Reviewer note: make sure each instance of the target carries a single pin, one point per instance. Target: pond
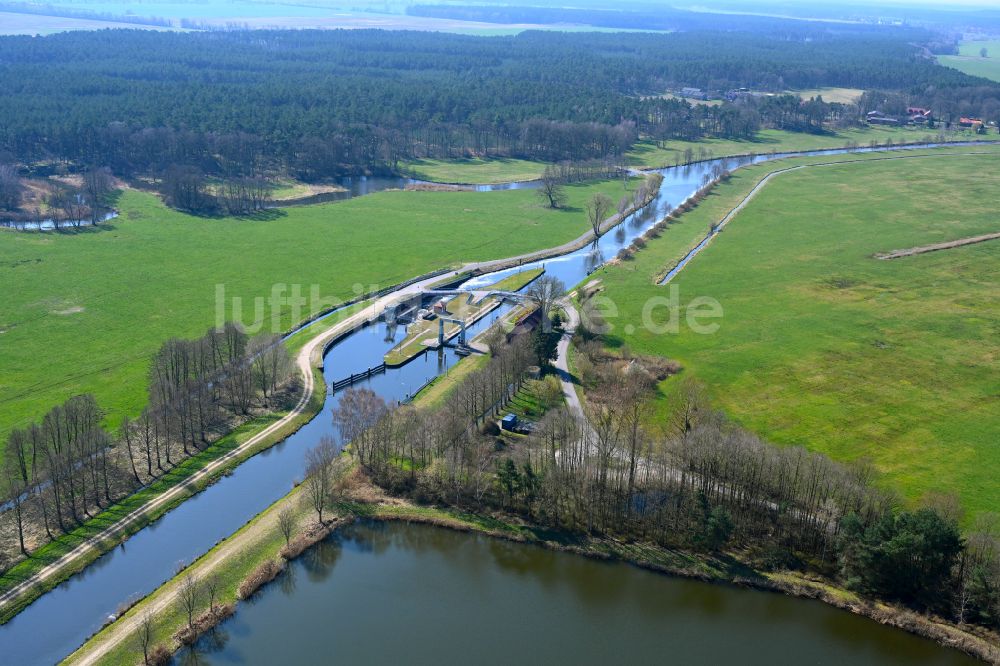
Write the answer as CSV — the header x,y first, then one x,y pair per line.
x,y
378,593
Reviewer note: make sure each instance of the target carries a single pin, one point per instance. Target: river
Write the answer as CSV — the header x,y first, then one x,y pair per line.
x,y
397,593
68,614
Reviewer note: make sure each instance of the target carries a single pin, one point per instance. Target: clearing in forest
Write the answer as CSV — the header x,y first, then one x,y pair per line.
x,y
971,60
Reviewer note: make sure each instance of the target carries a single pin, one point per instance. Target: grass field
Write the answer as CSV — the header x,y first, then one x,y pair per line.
x,y
969,61
474,170
13,23
85,311
830,95
648,155
823,346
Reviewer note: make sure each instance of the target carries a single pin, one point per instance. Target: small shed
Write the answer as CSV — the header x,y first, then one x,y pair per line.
x,y
440,306
508,422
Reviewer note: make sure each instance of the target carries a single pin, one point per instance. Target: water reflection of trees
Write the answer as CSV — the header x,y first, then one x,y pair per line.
x,y
594,258
319,561
288,580
210,642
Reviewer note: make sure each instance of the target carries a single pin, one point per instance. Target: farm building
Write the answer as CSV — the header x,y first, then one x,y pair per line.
x,y
975,124
879,118
694,93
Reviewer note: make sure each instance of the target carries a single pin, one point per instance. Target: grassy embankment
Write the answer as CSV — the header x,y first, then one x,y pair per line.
x,y
69,327
969,61
422,334
648,155
823,346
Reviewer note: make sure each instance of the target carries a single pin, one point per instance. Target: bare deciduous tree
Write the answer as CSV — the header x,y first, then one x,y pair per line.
x,y
545,291
144,635
212,585
286,523
551,190
97,185
270,363
189,593
354,416
15,488
319,474
10,188
598,208
623,205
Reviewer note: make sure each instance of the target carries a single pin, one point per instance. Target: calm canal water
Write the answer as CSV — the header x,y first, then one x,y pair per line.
x,y
77,608
397,593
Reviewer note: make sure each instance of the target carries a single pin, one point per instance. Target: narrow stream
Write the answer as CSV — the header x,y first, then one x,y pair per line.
x,y
67,615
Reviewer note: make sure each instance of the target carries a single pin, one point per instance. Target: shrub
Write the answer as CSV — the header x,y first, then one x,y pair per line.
x,y
159,656
304,540
259,577
205,622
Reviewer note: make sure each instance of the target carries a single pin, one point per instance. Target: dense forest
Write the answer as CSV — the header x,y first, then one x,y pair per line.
x,y
318,104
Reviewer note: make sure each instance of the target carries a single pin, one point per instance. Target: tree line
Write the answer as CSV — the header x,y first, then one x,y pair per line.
x,y
66,468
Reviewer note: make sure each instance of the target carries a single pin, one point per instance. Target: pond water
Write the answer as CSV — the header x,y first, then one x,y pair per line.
x,y
397,593
75,609
52,225
358,186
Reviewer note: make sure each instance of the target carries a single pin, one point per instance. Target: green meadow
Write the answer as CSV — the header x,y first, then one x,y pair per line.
x,y
476,171
823,346
84,311
971,62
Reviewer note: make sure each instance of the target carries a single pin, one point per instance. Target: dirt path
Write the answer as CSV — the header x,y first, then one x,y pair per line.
x,y
562,362
947,245
128,626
